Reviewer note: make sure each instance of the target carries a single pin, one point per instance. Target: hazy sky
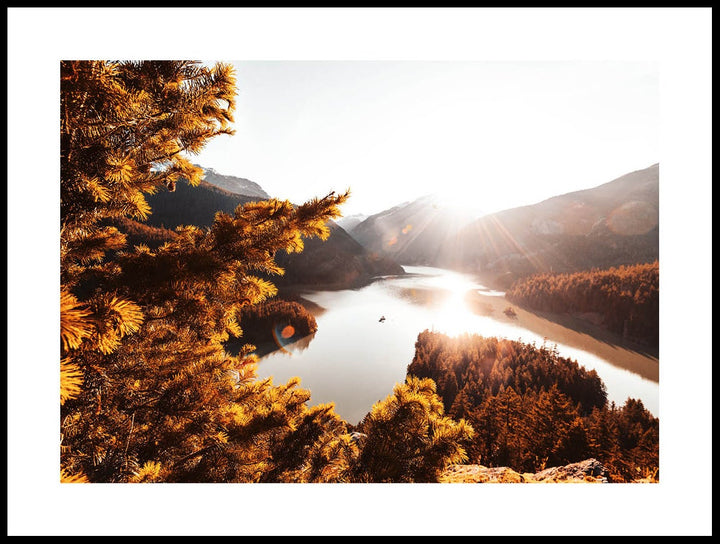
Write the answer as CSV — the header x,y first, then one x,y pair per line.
x,y
491,134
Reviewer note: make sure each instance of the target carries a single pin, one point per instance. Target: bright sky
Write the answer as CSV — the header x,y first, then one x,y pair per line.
x,y
491,134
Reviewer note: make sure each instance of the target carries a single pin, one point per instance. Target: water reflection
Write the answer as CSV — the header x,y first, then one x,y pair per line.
x,y
356,357
278,346
293,344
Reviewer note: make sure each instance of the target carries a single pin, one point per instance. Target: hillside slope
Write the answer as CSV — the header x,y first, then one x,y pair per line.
x,y
614,224
419,232
338,262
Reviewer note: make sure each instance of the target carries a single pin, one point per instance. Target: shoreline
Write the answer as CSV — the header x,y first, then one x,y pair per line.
x,y
574,332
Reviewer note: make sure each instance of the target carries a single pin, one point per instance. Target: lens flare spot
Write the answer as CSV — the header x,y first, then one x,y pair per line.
x,y
283,336
407,228
288,339
392,241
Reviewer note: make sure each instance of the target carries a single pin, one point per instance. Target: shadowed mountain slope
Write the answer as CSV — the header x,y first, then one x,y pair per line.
x,y
338,262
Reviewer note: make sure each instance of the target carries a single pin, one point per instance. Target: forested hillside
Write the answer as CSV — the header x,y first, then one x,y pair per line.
x,y
531,409
610,225
626,298
337,262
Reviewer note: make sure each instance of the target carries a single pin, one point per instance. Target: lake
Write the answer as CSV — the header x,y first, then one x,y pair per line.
x,y
366,339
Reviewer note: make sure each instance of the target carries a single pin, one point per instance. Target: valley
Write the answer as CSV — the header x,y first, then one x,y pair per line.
x,y
372,355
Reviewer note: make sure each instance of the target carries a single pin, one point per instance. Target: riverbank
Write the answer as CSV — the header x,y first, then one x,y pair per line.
x,y
572,331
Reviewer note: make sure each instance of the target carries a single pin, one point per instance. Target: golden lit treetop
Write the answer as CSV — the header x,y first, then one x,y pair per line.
x,y
128,127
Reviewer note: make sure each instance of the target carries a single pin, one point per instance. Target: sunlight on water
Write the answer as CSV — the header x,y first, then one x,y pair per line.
x,y
453,316
366,339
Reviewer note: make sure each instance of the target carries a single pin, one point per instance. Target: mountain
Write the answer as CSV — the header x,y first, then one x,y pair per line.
x,y
338,262
240,186
415,232
189,205
614,224
349,222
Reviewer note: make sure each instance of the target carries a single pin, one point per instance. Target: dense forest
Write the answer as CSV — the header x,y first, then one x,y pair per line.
x,y
626,297
531,409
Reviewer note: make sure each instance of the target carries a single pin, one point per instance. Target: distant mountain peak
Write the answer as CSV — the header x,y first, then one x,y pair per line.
x,y
608,225
348,222
234,184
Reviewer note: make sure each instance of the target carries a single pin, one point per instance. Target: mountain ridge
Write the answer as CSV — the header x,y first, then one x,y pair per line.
x,y
338,262
612,224
234,184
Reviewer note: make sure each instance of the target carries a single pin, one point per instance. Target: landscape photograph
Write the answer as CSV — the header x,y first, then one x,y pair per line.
x,y
323,283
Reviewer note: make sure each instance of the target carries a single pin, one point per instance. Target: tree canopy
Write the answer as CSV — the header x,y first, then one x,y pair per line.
x,y
148,393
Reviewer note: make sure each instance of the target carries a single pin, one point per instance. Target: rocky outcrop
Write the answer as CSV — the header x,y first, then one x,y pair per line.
x,y
587,471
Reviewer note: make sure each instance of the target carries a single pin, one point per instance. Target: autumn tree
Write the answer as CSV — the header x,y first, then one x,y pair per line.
x,y
408,438
625,297
147,392
531,409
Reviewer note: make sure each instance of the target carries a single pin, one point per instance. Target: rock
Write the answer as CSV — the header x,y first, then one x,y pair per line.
x,y
587,471
590,470
479,474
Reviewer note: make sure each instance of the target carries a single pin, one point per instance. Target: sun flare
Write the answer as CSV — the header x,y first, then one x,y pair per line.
x,y
453,314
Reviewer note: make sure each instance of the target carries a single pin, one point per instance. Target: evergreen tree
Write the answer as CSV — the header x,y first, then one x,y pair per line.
x,y
530,408
148,394
408,437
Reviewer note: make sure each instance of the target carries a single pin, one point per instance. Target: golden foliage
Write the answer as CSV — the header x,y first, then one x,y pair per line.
x,y
75,325
408,437
99,192
71,380
258,290
114,318
154,395
128,315
138,205
150,472
67,478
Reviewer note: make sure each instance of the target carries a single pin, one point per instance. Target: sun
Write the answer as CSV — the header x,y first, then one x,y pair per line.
x,y
454,315
463,205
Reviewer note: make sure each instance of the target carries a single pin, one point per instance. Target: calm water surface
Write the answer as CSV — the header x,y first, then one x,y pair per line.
x,y
355,358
